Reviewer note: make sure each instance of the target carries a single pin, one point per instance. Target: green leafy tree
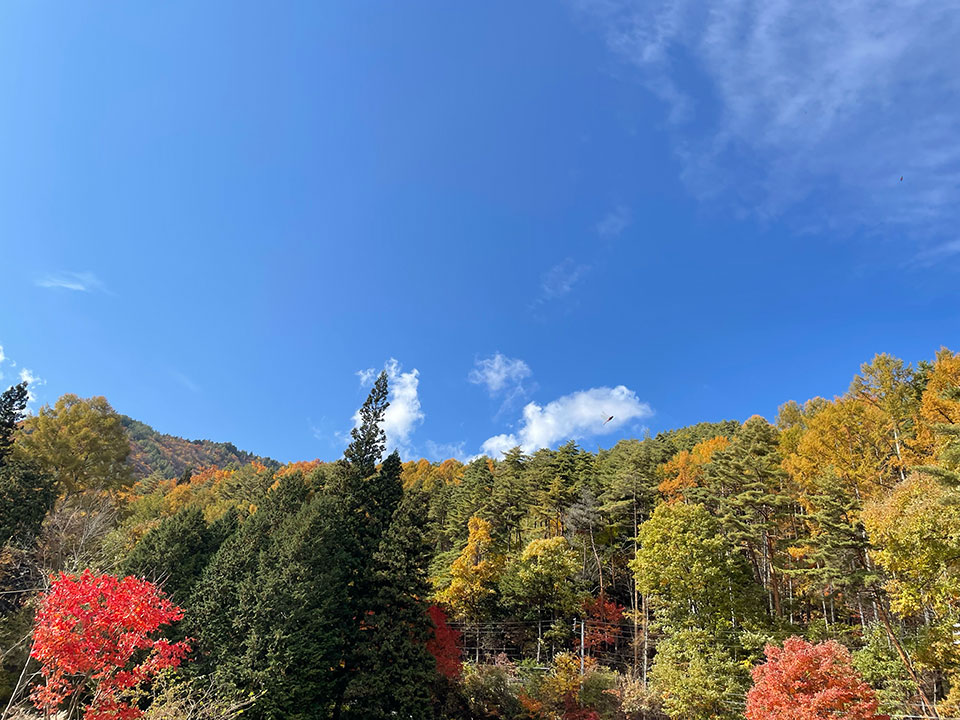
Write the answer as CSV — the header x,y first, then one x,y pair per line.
x,y
691,571
697,678
543,581
915,531
368,437
26,495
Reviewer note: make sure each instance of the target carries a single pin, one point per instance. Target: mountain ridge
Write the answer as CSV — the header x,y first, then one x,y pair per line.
x,y
152,452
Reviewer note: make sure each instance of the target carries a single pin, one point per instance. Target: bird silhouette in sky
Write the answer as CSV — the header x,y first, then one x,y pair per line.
x,y
901,178
608,420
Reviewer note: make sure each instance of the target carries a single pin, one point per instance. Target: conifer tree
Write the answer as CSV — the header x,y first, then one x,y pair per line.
x,y
745,487
369,440
509,497
396,671
13,403
470,498
176,552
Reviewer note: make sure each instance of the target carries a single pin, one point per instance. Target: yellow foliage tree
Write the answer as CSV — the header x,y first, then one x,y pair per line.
x,y
685,469
850,438
472,592
81,443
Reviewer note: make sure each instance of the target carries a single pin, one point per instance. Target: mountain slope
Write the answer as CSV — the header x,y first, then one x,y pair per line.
x,y
152,451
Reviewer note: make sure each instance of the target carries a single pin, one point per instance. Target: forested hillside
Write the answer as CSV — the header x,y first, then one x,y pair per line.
x,y
170,456
802,566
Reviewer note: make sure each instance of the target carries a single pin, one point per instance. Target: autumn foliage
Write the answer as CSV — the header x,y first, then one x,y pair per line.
x,y
602,624
444,645
803,681
93,641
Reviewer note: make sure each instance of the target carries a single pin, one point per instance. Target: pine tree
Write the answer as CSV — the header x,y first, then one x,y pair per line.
x,y
744,486
13,403
369,439
26,495
510,497
947,469
470,498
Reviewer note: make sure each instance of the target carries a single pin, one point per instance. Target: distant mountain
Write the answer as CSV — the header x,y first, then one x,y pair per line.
x,y
152,451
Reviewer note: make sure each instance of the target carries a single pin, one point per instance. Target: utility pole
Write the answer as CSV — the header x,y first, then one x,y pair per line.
x,y
582,634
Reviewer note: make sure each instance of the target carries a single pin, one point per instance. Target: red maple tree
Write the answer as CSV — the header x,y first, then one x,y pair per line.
x,y
444,645
602,623
93,641
803,681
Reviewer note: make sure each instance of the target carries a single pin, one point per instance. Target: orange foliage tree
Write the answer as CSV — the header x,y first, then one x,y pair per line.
x,y
803,681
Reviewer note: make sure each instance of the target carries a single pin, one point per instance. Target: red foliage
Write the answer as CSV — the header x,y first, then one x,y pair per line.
x,y
602,622
803,681
87,632
445,644
573,711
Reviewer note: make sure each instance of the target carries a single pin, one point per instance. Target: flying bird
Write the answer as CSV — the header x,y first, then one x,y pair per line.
x,y
607,420
901,178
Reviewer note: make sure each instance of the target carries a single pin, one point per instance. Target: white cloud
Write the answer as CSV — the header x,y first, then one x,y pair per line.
x,y
403,415
32,382
771,104
560,279
581,414
79,282
499,444
500,373
615,222
2,356
366,376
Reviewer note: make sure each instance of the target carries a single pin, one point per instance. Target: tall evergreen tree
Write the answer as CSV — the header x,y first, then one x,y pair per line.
x,y
471,498
13,403
744,485
509,498
176,552
396,671
369,439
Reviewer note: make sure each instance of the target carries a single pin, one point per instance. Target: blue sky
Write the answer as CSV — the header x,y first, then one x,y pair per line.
x,y
223,215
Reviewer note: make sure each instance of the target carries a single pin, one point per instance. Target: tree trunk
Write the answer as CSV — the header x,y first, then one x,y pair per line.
x,y
885,619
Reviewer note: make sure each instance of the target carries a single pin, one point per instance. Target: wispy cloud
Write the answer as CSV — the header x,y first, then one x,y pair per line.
x,y
560,280
504,378
809,109
585,413
76,281
367,376
188,383
438,452
499,373
404,414
615,222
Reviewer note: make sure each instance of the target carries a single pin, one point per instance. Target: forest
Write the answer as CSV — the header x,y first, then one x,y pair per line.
x,y
804,567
